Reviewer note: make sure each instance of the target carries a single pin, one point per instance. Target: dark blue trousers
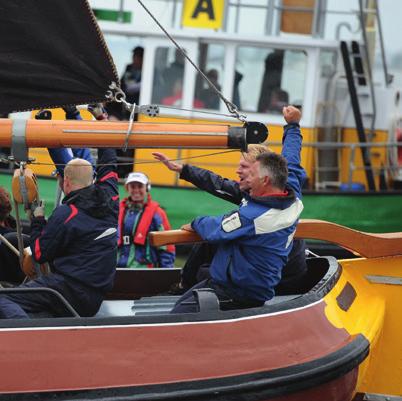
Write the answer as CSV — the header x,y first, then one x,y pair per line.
x,y
85,300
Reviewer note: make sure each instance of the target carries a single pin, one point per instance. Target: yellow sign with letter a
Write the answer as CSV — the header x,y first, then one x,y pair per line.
x,y
203,13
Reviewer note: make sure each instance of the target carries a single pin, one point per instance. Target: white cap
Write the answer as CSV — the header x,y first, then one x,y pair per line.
x,y
137,177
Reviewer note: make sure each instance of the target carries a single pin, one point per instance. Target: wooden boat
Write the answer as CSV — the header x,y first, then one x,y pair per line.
x,y
332,341
335,340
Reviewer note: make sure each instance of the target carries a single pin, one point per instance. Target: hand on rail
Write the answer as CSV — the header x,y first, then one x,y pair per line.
x,y
173,166
187,227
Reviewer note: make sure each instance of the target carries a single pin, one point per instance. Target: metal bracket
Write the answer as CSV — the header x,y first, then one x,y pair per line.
x,y
384,279
19,148
150,110
381,397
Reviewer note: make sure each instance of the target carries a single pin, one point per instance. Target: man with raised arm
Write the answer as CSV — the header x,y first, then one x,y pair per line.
x,y
254,241
294,271
79,240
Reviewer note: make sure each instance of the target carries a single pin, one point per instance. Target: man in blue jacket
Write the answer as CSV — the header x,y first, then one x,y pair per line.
x,y
197,264
254,241
79,240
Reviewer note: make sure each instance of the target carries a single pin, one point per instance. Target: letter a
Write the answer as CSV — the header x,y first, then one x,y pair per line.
x,y
204,6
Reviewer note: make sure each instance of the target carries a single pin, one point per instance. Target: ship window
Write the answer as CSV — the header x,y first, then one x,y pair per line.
x,y
168,77
328,62
267,79
121,48
211,61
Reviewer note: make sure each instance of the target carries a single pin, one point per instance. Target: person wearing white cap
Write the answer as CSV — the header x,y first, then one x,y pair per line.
x,y
138,215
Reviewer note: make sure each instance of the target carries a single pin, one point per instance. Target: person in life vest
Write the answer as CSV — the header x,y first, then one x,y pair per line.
x,y
138,215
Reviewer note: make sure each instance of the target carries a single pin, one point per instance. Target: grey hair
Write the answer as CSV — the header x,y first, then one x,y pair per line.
x,y
275,167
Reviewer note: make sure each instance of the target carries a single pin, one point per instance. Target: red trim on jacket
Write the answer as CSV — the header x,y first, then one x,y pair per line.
x,y
74,212
112,174
38,252
141,232
285,193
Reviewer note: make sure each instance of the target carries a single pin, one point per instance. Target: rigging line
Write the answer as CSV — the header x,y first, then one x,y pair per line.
x,y
143,162
232,108
198,111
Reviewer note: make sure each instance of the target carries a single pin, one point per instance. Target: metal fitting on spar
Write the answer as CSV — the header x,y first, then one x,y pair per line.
x,y
250,133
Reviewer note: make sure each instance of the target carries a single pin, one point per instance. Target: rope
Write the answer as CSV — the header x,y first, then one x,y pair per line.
x,y
19,234
214,113
130,126
143,162
232,108
10,245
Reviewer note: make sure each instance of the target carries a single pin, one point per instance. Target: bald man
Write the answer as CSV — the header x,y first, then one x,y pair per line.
x,y
79,241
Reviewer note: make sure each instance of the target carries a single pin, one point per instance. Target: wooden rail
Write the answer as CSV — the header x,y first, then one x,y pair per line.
x,y
368,245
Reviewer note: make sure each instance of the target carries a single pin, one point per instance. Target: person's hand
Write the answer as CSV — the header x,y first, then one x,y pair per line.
x,y
98,111
28,265
39,209
187,227
71,112
173,166
291,114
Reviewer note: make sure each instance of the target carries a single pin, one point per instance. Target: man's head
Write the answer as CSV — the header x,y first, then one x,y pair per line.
x,y
268,174
137,186
213,75
138,56
245,162
5,205
78,174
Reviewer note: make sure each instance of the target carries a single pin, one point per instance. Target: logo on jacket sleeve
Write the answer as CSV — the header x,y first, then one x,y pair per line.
x,y
231,223
106,233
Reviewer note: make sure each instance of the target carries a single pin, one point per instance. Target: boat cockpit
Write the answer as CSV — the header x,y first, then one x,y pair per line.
x,y
141,295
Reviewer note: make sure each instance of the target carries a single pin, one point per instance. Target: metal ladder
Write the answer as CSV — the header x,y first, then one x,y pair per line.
x,y
351,75
361,86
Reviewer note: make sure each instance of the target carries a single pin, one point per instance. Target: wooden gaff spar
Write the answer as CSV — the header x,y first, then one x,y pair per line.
x,y
52,133
368,245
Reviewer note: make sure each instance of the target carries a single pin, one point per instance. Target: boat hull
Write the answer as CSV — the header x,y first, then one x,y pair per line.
x,y
278,352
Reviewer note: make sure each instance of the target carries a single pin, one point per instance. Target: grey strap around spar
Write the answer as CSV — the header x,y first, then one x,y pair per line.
x,y
19,148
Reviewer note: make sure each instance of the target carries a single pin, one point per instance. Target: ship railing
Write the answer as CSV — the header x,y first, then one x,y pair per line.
x,y
385,167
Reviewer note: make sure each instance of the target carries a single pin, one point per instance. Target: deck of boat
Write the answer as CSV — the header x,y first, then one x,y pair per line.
x,y
157,305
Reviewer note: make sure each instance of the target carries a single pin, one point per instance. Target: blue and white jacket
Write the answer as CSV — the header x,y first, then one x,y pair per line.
x,y
255,240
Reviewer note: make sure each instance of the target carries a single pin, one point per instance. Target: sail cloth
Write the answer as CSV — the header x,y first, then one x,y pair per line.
x,y
52,54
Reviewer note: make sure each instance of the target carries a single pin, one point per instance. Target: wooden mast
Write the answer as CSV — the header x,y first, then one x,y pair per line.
x,y
73,133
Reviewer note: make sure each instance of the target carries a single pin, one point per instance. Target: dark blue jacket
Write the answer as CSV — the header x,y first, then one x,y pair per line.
x,y
255,240
80,238
229,190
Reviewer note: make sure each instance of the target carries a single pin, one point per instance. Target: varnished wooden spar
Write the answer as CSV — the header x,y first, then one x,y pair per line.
x,y
72,133
367,245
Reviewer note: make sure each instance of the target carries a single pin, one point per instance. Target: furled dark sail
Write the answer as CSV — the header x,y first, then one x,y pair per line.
x,y
52,53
